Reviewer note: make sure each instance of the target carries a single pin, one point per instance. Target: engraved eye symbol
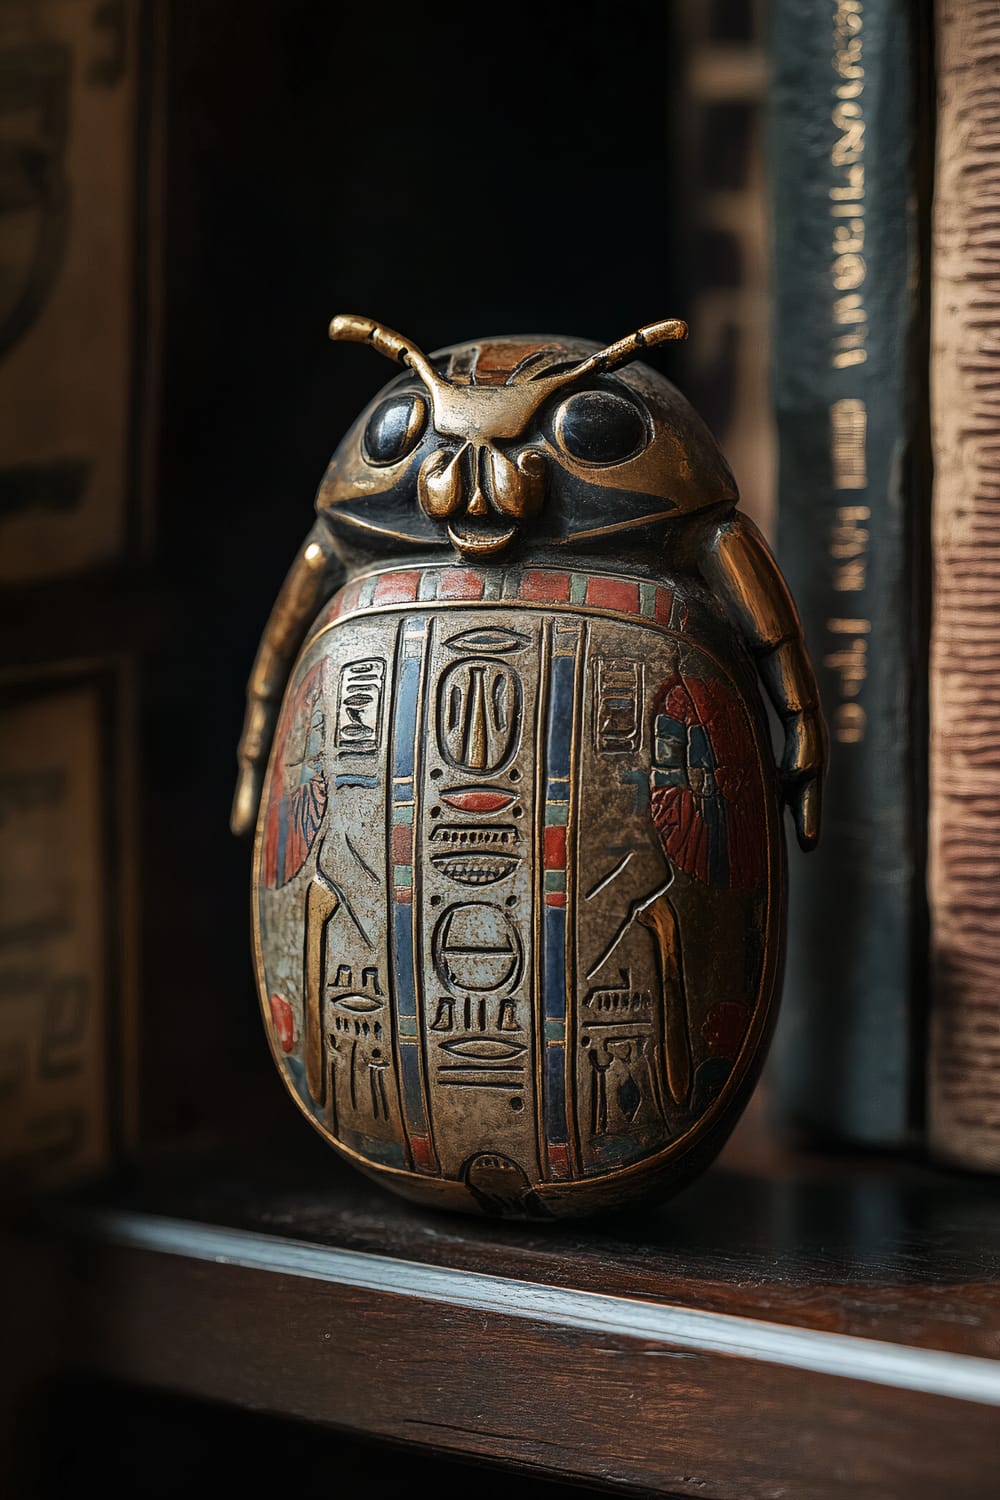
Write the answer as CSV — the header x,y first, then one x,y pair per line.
x,y
395,428
600,427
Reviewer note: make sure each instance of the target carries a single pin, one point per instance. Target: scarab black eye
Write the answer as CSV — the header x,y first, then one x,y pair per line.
x,y
599,427
394,428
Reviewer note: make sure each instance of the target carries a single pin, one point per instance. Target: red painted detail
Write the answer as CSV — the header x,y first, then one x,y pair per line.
x,y
402,844
555,848
329,612
404,895
546,588
460,583
664,606
297,791
486,801
613,593
396,588
284,1022
496,362
346,600
558,1160
724,1028
555,898
423,1155
684,816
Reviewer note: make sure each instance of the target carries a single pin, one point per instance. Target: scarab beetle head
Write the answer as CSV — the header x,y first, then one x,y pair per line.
x,y
485,443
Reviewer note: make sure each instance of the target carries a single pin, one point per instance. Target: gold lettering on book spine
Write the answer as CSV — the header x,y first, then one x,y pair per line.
x,y
847,196
847,653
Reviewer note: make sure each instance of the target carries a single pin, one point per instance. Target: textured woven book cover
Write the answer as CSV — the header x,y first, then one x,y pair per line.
x,y
964,1095
845,247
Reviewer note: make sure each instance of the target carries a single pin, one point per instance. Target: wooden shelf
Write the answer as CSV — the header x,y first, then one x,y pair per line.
x,y
800,1326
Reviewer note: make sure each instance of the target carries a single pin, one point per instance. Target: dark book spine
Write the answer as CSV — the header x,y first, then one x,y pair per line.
x,y
845,247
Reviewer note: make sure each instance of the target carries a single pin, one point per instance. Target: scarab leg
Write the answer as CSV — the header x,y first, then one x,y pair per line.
x,y
314,576
742,569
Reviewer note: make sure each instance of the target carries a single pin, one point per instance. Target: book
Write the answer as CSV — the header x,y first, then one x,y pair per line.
x,y
843,106
964,1061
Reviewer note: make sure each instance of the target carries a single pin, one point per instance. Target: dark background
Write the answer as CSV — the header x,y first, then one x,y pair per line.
x,y
452,171
449,170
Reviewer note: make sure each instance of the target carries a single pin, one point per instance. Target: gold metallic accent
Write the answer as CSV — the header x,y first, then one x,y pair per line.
x,y
447,485
613,527
357,330
681,464
742,565
518,489
321,903
632,346
661,919
475,755
741,568
486,411
789,678
482,415
312,578
481,544
439,485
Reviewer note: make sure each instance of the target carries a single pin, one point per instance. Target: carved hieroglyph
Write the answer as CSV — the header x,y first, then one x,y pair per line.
x,y
516,869
519,877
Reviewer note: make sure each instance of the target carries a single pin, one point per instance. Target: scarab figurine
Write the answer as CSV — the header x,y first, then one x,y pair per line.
x,y
519,872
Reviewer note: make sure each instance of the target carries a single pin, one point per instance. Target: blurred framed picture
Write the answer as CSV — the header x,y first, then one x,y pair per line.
x,y
79,103
67,922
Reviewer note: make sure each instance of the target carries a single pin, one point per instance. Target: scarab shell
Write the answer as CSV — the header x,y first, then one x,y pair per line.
x,y
518,883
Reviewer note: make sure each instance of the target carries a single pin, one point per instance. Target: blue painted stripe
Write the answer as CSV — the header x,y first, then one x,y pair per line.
x,y
561,713
357,781
402,924
555,1095
401,914
560,722
555,962
413,1098
390,1153
406,719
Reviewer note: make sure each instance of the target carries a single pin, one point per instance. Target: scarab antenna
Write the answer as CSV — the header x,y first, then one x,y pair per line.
x,y
351,328
481,413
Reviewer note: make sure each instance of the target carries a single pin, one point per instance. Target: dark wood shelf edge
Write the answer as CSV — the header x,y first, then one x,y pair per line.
x,y
650,1321
639,1393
